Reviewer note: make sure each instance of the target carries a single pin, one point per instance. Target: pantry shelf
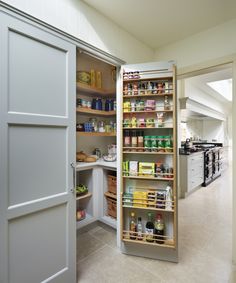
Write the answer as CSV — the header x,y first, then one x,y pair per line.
x,y
147,208
88,195
148,95
95,134
146,128
147,243
148,178
151,153
148,111
95,112
94,91
159,79
110,195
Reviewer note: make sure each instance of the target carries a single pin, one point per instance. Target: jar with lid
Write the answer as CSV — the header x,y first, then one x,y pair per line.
x,y
127,139
168,144
167,103
153,143
129,89
140,140
161,144
134,140
101,126
94,124
147,146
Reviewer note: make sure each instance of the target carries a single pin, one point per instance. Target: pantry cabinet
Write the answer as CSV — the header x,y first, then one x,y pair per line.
x,y
147,171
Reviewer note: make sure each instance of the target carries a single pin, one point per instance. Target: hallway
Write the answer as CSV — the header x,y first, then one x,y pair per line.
x,y
205,242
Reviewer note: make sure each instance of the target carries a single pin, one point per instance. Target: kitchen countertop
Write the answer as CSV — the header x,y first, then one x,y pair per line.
x,y
99,162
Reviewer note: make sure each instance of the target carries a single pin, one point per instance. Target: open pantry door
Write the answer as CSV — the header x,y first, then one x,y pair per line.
x,y
37,129
147,165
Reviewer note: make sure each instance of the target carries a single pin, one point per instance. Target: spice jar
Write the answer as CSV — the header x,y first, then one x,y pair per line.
x,y
140,140
147,146
134,140
161,144
153,143
168,144
127,139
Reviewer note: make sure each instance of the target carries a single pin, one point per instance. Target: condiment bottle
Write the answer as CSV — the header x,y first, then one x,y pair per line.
x,y
132,226
140,229
168,198
166,103
149,229
159,229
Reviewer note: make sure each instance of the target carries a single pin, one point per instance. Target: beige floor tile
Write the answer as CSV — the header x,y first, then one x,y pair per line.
x,y
87,244
105,235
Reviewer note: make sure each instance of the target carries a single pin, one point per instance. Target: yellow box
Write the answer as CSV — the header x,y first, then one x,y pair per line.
x,y
139,199
146,169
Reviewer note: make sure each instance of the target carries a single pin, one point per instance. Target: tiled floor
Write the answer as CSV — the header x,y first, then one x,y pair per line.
x,y
204,245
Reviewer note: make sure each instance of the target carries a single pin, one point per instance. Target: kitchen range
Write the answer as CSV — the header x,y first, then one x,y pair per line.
x,y
200,163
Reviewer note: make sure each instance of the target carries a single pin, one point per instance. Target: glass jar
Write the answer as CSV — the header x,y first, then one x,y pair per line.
x,y
153,143
161,144
147,145
168,144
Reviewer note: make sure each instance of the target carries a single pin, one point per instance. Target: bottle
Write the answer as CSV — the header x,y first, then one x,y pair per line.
x,y
159,229
166,103
140,139
132,226
149,230
139,229
168,198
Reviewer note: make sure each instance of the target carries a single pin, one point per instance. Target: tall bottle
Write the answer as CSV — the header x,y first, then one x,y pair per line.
x,y
159,229
166,103
132,226
149,230
139,229
168,198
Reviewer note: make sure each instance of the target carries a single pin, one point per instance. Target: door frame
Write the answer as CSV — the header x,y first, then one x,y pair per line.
x,y
209,66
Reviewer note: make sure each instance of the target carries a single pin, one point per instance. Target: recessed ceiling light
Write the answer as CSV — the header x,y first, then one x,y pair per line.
x,y
223,87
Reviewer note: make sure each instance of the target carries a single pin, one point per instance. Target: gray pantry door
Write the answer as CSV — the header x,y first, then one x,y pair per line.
x,y
37,147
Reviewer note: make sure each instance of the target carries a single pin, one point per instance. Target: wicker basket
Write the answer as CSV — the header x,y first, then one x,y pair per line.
x,y
111,207
112,184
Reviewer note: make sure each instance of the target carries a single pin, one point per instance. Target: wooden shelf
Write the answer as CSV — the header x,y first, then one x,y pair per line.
x,y
154,78
146,128
146,152
148,178
147,208
94,91
143,148
110,195
90,111
95,134
148,95
148,243
147,111
88,195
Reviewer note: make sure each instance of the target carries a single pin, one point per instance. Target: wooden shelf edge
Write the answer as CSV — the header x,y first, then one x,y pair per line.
x,y
146,243
87,88
95,112
84,196
148,178
146,128
144,152
148,208
96,134
107,194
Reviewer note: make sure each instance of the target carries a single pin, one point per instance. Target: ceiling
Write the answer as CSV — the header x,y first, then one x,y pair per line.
x,y
160,22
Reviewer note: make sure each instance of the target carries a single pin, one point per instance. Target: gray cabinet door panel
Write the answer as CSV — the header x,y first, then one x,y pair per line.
x,y
37,147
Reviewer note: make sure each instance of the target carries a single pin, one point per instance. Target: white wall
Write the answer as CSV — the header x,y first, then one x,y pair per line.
x,y
85,23
208,45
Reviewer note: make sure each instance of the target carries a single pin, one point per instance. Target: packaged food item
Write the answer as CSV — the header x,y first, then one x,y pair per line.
x,y
125,89
150,123
135,88
130,91
161,144
99,79
140,229
168,144
168,198
160,199
125,168
147,143
133,105
146,169
93,78
140,140
153,143
160,119
133,168
150,105
127,138
158,169
136,75
151,198
140,105
167,105
134,122
128,199
141,123
159,88
127,123
134,139
126,106
139,199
